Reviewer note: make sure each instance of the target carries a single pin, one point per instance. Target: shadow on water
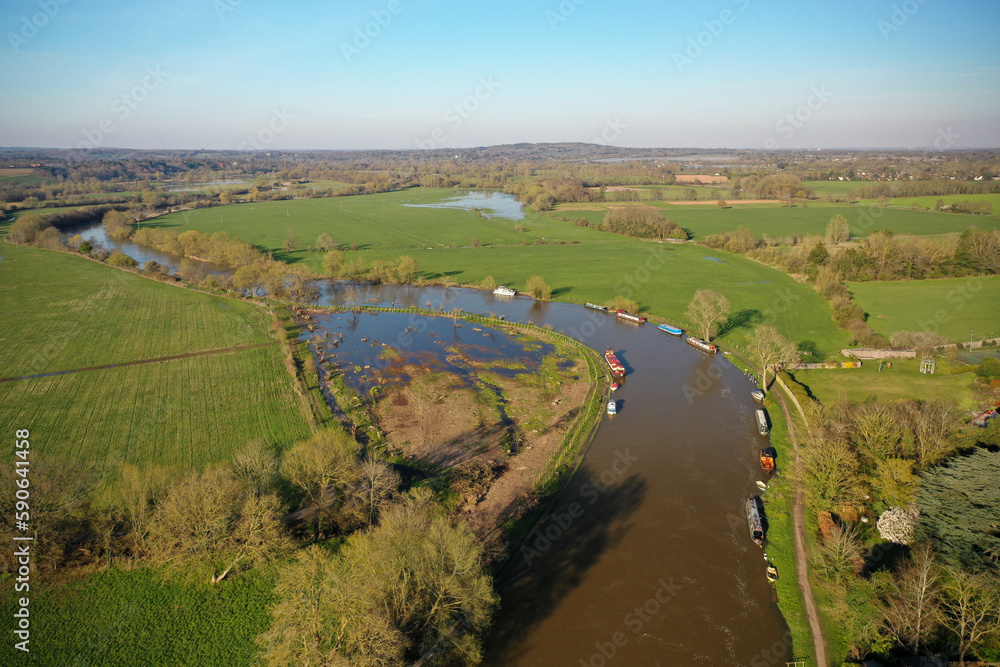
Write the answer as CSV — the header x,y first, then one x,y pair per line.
x,y
584,523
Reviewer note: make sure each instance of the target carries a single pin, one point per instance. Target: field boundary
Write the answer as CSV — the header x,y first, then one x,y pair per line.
x,y
174,357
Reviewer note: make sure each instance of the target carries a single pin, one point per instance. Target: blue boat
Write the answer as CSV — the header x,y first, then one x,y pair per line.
x,y
670,329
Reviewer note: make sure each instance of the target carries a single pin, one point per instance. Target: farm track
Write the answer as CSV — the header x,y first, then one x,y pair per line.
x,y
202,353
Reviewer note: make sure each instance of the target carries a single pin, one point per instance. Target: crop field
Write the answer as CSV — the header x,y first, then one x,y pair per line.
x,y
931,202
183,413
776,220
119,617
63,312
951,307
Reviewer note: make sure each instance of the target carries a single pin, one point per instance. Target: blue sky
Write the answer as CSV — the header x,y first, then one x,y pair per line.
x,y
300,75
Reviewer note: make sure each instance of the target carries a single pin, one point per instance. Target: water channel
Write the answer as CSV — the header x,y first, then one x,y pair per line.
x,y
646,559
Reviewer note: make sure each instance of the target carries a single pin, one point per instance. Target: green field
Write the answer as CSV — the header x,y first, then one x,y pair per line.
x,y
951,307
902,381
63,312
776,220
662,277
136,617
931,201
388,220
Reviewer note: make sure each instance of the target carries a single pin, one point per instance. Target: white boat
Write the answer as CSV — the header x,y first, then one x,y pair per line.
x,y
757,394
762,426
612,408
501,290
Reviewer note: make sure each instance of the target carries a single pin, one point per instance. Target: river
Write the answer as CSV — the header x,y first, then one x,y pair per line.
x,y
646,559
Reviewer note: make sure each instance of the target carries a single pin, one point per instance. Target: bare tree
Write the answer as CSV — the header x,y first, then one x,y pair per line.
x,y
769,348
912,612
706,309
970,608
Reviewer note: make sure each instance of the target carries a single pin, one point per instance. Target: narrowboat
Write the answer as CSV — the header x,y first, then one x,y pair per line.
x,y
596,306
754,522
670,329
612,359
629,317
762,427
701,345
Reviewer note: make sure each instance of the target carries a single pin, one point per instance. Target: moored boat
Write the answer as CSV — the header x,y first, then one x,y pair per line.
x,y
754,522
670,329
612,359
614,386
771,573
612,408
622,315
502,290
701,345
596,306
758,395
762,426
767,457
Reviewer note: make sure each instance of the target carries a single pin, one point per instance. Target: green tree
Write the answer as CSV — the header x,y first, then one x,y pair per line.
x,y
325,242
959,503
721,203
538,288
210,520
291,241
988,368
818,254
489,283
622,303
406,269
122,260
706,309
416,581
332,261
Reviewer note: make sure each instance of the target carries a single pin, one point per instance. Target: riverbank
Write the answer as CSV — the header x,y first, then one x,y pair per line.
x,y
493,436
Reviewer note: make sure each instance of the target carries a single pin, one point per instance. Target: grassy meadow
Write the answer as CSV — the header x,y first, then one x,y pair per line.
x,y
121,617
776,220
72,312
951,307
590,266
903,380
64,312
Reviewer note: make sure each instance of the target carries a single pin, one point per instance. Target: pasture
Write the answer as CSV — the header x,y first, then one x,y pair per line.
x,y
951,307
64,312
777,221
581,264
389,220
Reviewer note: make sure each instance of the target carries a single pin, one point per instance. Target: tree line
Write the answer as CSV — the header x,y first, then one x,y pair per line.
x,y
406,577
923,577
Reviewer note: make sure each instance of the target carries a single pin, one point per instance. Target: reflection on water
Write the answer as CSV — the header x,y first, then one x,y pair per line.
x,y
493,204
373,349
